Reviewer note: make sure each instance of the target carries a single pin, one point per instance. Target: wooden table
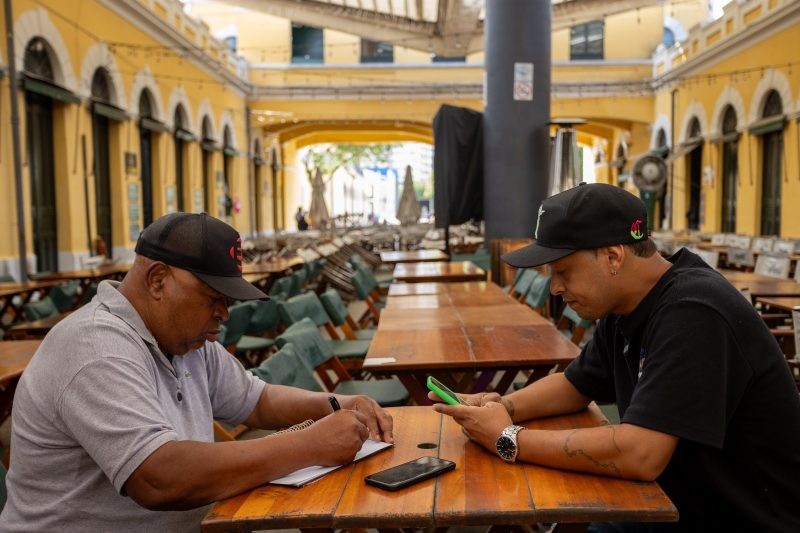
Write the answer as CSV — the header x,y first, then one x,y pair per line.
x,y
440,272
14,357
416,289
277,265
463,338
785,303
87,275
482,490
14,295
35,329
416,256
761,285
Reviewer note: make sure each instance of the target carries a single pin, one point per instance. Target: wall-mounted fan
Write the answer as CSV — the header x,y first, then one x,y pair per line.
x,y
650,174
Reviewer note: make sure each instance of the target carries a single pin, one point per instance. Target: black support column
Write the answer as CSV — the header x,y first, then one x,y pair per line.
x,y
516,133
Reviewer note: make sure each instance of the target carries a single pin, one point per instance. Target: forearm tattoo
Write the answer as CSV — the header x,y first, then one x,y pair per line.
x,y
610,466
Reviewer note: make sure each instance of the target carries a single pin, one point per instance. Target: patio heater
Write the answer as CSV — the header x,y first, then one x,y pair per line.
x,y
565,170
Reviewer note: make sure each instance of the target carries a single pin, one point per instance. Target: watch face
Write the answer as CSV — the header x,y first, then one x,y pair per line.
x,y
506,447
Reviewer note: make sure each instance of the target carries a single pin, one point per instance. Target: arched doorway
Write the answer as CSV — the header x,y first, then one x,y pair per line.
x,y
771,132
181,136
228,151
145,154
255,189
39,126
101,128
208,147
694,176
730,169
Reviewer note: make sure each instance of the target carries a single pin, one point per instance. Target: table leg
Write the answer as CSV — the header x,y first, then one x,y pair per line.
x,y
415,383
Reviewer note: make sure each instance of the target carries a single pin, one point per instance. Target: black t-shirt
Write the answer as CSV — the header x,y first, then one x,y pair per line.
x,y
696,361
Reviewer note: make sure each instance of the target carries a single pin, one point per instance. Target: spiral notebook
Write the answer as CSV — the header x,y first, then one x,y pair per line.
x,y
301,477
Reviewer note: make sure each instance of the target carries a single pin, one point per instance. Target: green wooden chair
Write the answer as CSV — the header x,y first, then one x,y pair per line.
x,y
40,309
572,326
286,367
317,354
538,297
248,349
367,291
522,285
308,305
64,296
341,318
265,318
280,288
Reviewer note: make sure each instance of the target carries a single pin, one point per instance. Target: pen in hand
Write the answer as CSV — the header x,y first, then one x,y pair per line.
x,y
334,403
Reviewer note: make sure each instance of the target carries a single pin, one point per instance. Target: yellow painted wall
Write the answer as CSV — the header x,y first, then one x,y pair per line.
x,y
703,89
79,25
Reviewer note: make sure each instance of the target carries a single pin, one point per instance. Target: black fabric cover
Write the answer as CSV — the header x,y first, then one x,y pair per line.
x,y
457,165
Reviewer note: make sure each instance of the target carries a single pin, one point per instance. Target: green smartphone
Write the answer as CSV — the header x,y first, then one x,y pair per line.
x,y
445,393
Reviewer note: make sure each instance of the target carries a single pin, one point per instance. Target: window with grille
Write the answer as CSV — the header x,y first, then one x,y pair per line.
x,y
586,40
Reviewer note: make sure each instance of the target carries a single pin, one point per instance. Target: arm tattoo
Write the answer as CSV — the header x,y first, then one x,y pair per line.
x,y
610,466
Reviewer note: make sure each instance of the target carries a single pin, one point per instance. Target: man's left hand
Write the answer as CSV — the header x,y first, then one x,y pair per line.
x,y
481,424
379,421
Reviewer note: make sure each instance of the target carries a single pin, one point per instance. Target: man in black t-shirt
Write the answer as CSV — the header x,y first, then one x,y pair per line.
x,y
707,404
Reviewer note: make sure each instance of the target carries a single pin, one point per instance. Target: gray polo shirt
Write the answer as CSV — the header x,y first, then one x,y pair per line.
x,y
96,400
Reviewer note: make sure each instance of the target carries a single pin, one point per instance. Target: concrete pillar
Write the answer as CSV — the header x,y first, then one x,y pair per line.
x,y
516,132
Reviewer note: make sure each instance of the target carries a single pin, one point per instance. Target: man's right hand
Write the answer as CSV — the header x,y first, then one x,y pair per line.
x,y
338,436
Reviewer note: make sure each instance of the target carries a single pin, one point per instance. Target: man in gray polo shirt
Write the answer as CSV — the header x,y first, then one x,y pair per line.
x,y
112,421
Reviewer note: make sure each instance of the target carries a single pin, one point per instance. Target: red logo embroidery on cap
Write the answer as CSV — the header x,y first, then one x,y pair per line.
x,y
236,253
636,231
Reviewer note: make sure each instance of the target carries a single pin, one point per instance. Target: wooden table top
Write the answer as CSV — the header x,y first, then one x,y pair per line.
x,y
273,266
454,299
35,328
14,357
12,289
415,289
481,490
438,271
491,336
100,272
415,256
761,285
787,303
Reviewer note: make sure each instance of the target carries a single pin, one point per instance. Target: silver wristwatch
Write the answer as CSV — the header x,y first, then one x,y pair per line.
x,y
507,443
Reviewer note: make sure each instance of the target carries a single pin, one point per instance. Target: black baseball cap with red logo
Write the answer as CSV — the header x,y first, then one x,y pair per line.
x,y
585,217
205,246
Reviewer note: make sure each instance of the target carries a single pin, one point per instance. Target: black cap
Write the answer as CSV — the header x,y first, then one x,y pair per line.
x,y
205,246
585,217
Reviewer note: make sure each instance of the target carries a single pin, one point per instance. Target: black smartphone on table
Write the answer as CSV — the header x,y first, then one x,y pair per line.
x,y
400,476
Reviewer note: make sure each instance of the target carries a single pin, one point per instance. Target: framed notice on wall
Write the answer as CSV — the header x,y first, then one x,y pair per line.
x,y
130,164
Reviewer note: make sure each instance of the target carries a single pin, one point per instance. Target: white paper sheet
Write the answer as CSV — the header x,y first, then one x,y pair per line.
x,y
298,478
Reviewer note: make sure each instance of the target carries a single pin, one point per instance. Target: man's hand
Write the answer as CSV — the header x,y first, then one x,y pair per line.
x,y
339,437
480,399
481,424
376,419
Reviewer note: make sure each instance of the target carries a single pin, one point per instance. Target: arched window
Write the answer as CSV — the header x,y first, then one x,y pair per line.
x,y
101,85
771,164
36,60
145,155
694,175
101,128
40,152
661,139
730,169
227,170
180,138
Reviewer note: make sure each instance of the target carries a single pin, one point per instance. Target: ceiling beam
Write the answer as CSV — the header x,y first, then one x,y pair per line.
x,y
457,32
